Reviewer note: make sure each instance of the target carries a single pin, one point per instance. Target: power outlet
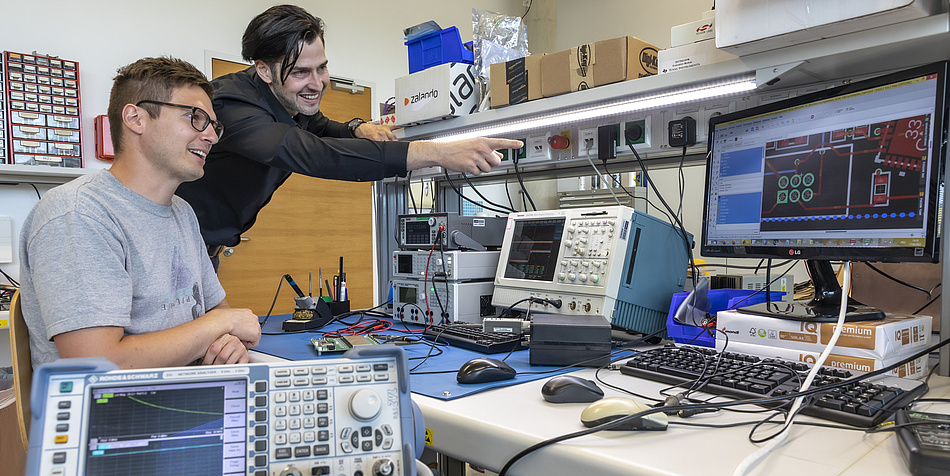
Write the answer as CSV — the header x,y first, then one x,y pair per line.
x,y
635,132
522,153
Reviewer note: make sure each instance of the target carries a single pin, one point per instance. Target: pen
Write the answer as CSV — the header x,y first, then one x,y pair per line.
x,y
320,280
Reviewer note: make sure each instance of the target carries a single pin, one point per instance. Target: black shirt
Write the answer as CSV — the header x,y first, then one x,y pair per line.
x,y
262,145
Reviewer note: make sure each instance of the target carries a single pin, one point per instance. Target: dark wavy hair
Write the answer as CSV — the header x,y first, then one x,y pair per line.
x,y
277,36
153,79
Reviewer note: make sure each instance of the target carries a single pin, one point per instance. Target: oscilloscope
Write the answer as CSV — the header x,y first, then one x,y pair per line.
x,y
610,261
349,415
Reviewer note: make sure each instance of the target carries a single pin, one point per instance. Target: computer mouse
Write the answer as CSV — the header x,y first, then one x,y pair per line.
x,y
484,369
612,408
571,389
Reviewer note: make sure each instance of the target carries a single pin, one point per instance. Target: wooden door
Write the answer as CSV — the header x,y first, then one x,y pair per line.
x,y
307,226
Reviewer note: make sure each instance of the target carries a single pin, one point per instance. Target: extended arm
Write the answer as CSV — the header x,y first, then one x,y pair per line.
x,y
180,345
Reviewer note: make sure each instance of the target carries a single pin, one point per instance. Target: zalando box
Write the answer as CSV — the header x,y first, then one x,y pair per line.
x,y
595,64
440,92
750,26
883,339
915,369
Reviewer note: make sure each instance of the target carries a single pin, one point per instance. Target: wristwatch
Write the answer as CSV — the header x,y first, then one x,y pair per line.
x,y
352,125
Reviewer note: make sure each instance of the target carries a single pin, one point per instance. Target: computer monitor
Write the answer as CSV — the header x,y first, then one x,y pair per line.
x,y
851,173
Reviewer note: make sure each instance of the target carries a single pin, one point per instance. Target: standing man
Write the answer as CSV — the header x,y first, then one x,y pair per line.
x,y
112,263
274,128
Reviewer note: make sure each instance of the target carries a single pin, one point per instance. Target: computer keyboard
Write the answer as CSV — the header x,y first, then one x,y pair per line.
x,y
742,376
474,338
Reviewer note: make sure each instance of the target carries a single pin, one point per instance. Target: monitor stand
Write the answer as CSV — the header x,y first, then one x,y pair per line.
x,y
824,307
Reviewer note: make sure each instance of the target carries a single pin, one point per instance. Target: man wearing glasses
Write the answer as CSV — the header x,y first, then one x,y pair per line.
x,y
274,128
112,263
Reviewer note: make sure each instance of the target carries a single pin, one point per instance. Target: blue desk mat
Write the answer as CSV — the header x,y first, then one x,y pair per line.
x,y
422,380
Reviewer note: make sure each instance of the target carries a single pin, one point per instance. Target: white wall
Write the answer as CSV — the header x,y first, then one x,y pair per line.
x,y
649,20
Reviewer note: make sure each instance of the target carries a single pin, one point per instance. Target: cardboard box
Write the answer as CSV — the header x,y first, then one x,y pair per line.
x,y
914,369
691,55
699,30
437,93
750,26
515,81
883,339
595,64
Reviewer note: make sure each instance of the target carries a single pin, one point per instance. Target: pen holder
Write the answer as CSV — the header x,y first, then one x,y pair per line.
x,y
339,307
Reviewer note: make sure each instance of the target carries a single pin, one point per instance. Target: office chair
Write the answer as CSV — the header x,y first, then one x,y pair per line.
x,y
22,367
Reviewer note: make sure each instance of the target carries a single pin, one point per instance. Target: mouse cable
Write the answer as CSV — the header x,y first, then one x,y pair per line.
x,y
754,401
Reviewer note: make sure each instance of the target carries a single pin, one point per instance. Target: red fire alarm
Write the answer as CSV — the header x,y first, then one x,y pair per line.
x,y
103,138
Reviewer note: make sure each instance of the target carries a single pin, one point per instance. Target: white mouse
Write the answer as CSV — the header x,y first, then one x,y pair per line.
x,y
612,408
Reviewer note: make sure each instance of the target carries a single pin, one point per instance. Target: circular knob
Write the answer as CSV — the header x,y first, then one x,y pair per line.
x,y
290,471
228,252
431,221
561,276
572,277
583,278
384,467
365,404
595,278
568,243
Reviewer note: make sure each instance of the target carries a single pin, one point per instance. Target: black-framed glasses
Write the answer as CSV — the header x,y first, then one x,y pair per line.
x,y
200,119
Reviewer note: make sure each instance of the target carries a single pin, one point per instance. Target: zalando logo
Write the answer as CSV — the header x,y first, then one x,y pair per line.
x,y
434,93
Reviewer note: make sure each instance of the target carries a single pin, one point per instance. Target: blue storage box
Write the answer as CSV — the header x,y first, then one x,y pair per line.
x,y
438,48
720,299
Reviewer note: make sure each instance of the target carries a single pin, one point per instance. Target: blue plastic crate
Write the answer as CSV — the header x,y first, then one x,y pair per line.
x,y
720,299
438,48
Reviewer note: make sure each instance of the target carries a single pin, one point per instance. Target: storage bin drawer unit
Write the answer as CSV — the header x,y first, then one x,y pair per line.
x,y
43,116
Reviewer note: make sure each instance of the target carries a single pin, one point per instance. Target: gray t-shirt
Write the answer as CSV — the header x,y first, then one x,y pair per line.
x,y
94,253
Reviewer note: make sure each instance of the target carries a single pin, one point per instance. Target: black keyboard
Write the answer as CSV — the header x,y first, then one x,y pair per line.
x,y
474,338
742,376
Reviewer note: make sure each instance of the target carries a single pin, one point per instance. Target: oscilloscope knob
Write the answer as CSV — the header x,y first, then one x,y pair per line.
x,y
384,467
290,471
365,404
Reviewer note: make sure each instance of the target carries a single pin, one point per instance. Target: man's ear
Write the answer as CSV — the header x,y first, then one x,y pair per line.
x,y
133,118
264,71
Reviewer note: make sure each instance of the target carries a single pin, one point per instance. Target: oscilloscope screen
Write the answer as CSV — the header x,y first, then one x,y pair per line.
x,y
189,428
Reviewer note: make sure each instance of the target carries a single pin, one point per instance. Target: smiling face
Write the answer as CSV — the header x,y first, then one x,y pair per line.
x,y
302,90
175,149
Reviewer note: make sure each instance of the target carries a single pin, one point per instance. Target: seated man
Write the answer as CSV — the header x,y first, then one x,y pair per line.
x,y
112,263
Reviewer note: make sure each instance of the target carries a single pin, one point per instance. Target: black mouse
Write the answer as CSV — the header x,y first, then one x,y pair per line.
x,y
484,369
571,389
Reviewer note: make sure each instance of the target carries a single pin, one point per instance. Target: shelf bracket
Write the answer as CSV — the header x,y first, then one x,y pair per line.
x,y
768,76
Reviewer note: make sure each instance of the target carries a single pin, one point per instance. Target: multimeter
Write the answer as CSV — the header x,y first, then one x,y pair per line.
x,y
924,442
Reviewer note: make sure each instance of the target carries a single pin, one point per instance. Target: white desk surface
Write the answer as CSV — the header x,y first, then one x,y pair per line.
x,y
488,428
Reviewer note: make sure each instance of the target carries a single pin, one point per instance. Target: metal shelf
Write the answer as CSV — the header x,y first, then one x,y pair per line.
x,y
40,174
868,52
